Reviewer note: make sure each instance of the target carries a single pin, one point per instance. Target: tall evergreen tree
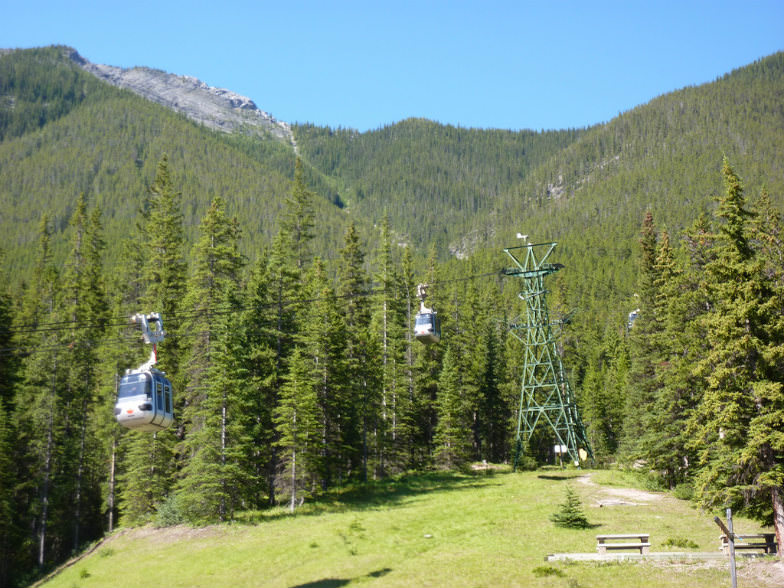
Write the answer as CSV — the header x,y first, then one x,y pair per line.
x,y
738,434
298,220
361,359
644,338
389,333
85,307
323,341
39,404
216,275
452,439
149,466
220,476
297,424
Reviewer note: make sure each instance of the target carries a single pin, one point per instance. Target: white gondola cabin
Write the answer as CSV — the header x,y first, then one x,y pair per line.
x,y
144,400
427,327
144,396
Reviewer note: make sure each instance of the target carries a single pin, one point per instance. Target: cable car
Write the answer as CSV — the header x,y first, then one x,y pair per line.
x,y
144,396
144,400
427,327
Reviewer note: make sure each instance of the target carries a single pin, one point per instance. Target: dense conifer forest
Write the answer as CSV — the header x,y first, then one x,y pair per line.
x,y
287,285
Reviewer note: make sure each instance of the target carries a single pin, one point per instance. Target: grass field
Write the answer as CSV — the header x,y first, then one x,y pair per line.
x,y
490,528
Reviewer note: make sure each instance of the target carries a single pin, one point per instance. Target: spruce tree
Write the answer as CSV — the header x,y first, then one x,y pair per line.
x,y
323,342
738,435
40,402
452,439
389,333
643,346
361,358
570,515
219,478
148,468
211,389
298,431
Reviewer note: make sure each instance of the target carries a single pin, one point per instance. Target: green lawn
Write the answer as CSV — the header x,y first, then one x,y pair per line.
x,y
487,529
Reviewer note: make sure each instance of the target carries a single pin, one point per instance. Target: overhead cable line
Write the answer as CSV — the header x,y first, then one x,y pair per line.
x,y
67,325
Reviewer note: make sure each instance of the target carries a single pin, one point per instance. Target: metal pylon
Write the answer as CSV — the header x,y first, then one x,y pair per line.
x,y
545,395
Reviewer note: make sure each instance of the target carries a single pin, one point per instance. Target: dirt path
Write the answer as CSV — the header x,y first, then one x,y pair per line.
x,y
618,496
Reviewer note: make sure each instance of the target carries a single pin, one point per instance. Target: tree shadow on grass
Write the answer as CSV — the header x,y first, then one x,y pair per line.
x,y
338,582
381,494
559,477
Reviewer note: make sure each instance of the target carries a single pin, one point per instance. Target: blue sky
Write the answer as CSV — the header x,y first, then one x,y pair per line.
x,y
488,64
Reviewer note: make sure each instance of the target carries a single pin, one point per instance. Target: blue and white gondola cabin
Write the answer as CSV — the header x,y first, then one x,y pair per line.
x,y
427,327
144,401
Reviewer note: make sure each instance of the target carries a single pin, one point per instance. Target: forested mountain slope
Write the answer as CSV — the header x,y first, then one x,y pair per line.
x,y
438,183
66,133
460,190
665,157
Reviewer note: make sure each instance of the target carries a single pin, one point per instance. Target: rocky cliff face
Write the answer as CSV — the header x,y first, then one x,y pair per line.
x,y
215,108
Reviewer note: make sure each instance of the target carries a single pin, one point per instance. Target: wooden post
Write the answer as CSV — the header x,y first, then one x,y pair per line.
x,y
727,530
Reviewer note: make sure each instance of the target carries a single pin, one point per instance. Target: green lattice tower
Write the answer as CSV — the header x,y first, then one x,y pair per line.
x,y
545,396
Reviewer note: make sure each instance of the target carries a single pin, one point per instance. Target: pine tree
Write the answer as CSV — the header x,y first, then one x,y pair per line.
x,y
164,269
297,424
220,478
9,532
361,358
263,366
738,434
452,440
298,221
211,389
643,345
571,515
323,341
39,406
388,331
148,468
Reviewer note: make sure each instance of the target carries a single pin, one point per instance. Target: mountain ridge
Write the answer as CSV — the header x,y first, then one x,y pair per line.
x,y
216,108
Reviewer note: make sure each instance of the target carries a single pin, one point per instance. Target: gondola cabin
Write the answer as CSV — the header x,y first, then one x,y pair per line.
x,y
427,327
144,401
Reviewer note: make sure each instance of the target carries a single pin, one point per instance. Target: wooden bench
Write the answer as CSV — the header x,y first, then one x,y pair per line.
x,y
764,541
605,542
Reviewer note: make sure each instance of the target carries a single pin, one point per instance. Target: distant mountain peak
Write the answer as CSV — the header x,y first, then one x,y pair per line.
x,y
216,108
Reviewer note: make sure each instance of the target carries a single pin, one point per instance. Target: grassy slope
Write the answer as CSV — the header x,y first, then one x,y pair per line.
x,y
430,530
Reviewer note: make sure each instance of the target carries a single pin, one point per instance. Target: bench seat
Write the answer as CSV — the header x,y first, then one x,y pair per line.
x,y
605,542
764,541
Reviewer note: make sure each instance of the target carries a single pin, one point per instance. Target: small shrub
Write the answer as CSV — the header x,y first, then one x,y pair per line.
x,y
84,574
106,552
680,542
683,491
169,513
571,514
544,571
526,464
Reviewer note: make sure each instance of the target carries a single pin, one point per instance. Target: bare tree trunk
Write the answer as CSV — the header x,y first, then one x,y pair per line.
x,y
47,473
293,503
110,497
222,507
79,476
777,494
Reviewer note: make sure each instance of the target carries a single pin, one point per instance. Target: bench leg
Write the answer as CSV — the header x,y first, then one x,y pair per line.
x,y
644,550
